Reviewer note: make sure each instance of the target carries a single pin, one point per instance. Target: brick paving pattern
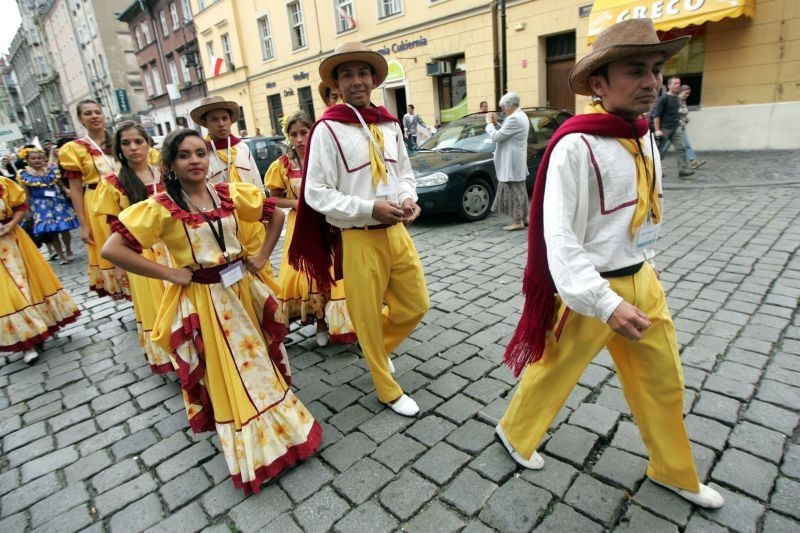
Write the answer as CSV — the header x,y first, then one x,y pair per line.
x,y
91,440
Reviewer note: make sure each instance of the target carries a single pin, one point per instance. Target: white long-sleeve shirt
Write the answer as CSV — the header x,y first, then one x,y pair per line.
x,y
511,146
589,201
245,165
339,178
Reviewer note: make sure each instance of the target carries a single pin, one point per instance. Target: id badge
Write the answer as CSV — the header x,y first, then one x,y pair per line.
x,y
389,190
50,194
231,274
647,235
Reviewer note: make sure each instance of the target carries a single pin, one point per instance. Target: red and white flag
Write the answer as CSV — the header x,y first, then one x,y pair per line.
x,y
216,65
349,20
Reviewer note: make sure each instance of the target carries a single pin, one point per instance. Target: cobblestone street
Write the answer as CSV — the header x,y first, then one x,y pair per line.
x,y
91,439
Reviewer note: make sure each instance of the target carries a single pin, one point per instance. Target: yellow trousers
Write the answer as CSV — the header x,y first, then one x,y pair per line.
x,y
386,296
649,370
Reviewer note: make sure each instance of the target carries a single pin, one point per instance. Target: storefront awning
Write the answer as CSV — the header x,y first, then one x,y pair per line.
x,y
666,14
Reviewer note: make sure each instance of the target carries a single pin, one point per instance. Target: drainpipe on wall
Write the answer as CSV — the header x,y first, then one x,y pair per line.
x,y
504,44
495,54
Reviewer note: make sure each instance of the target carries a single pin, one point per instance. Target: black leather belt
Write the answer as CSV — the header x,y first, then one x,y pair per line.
x,y
622,272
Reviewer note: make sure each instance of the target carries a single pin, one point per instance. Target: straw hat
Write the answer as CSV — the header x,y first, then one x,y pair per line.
x,y
628,38
324,91
349,52
210,103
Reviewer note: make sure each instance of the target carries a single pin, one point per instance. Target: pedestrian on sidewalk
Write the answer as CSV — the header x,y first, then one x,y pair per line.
x,y
353,206
510,161
136,181
411,123
593,247
221,323
34,305
667,120
683,96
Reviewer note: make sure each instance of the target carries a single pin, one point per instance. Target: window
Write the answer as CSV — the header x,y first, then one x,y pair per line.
x,y
210,51
138,39
275,112
264,31
241,124
202,4
173,72
187,10
146,32
226,49
163,17
173,12
148,83
306,101
387,8
187,78
296,23
345,15
157,81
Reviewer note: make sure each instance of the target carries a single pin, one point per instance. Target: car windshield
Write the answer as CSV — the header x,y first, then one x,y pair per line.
x,y
467,135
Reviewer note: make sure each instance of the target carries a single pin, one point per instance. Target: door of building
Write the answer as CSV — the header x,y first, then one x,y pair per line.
x,y
560,60
396,101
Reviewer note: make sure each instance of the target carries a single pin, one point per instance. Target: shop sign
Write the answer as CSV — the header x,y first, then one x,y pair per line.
x,y
122,101
396,72
454,113
660,8
402,46
9,132
300,76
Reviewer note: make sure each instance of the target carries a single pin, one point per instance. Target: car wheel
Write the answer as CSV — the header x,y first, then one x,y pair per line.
x,y
476,200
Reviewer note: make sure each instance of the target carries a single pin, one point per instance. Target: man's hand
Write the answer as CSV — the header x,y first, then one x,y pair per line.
x,y
410,211
387,212
659,134
628,321
86,235
490,118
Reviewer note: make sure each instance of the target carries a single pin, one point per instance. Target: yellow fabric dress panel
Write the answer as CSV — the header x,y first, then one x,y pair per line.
x,y
82,161
227,342
300,300
33,304
146,293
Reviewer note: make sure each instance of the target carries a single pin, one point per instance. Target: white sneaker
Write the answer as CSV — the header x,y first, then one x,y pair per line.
x,y
391,365
536,461
405,406
30,355
705,497
322,338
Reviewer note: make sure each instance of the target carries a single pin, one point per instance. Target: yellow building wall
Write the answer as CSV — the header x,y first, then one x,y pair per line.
x,y
754,61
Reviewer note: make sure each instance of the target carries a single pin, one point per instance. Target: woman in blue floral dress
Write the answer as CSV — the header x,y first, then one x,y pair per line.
x,y
52,215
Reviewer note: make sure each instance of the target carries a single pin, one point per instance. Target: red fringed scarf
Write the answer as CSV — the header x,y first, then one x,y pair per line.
x,y
314,241
538,314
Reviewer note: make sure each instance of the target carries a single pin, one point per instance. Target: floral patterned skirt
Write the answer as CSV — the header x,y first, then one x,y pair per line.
x,y
227,349
146,294
512,200
101,272
33,304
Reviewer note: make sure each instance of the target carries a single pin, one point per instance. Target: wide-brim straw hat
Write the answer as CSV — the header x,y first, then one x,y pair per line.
x,y
627,38
350,52
211,103
324,91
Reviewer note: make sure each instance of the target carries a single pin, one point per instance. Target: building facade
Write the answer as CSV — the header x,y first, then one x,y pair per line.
x,y
446,57
165,45
93,54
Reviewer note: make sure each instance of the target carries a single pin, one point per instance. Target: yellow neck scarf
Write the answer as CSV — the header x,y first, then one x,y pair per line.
x,y
647,195
222,153
376,162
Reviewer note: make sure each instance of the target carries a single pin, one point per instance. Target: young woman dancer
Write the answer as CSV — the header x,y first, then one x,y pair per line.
x,y
222,324
135,181
34,305
299,299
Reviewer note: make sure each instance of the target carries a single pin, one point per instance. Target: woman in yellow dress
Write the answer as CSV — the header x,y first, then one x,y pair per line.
x,y
299,299
220,321
135,181
33,304
86,162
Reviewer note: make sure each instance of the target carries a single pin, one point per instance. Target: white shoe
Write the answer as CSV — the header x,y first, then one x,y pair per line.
x,y
705,497
405,406
391,365
322,338
536,461
30,355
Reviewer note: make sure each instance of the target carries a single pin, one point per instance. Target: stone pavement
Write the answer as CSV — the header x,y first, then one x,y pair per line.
x,y
90,439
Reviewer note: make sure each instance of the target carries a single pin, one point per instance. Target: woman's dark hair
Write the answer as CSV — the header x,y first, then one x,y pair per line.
x,y
169,153
133,186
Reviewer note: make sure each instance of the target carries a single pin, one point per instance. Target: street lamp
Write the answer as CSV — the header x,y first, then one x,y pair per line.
x,y
190,53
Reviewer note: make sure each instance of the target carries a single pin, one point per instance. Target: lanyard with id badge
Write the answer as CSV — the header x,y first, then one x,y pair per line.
x,y
388,190
648,234
234,271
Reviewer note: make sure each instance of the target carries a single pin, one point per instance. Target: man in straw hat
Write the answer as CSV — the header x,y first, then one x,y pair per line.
x,y
594,216
230,158
329,96
358,186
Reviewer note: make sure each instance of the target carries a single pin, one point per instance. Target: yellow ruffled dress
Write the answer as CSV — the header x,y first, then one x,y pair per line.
x,y
82,161
109,201
299,299
33,304
226,342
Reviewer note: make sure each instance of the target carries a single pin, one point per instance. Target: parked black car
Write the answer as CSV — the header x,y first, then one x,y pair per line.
x,y
455,170
265,150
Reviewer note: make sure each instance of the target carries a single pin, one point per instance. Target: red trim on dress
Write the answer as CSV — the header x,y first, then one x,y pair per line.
x,y
73,174
21,207
27,344
94,152
225,207
343,338
293,455
268,209
119,227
